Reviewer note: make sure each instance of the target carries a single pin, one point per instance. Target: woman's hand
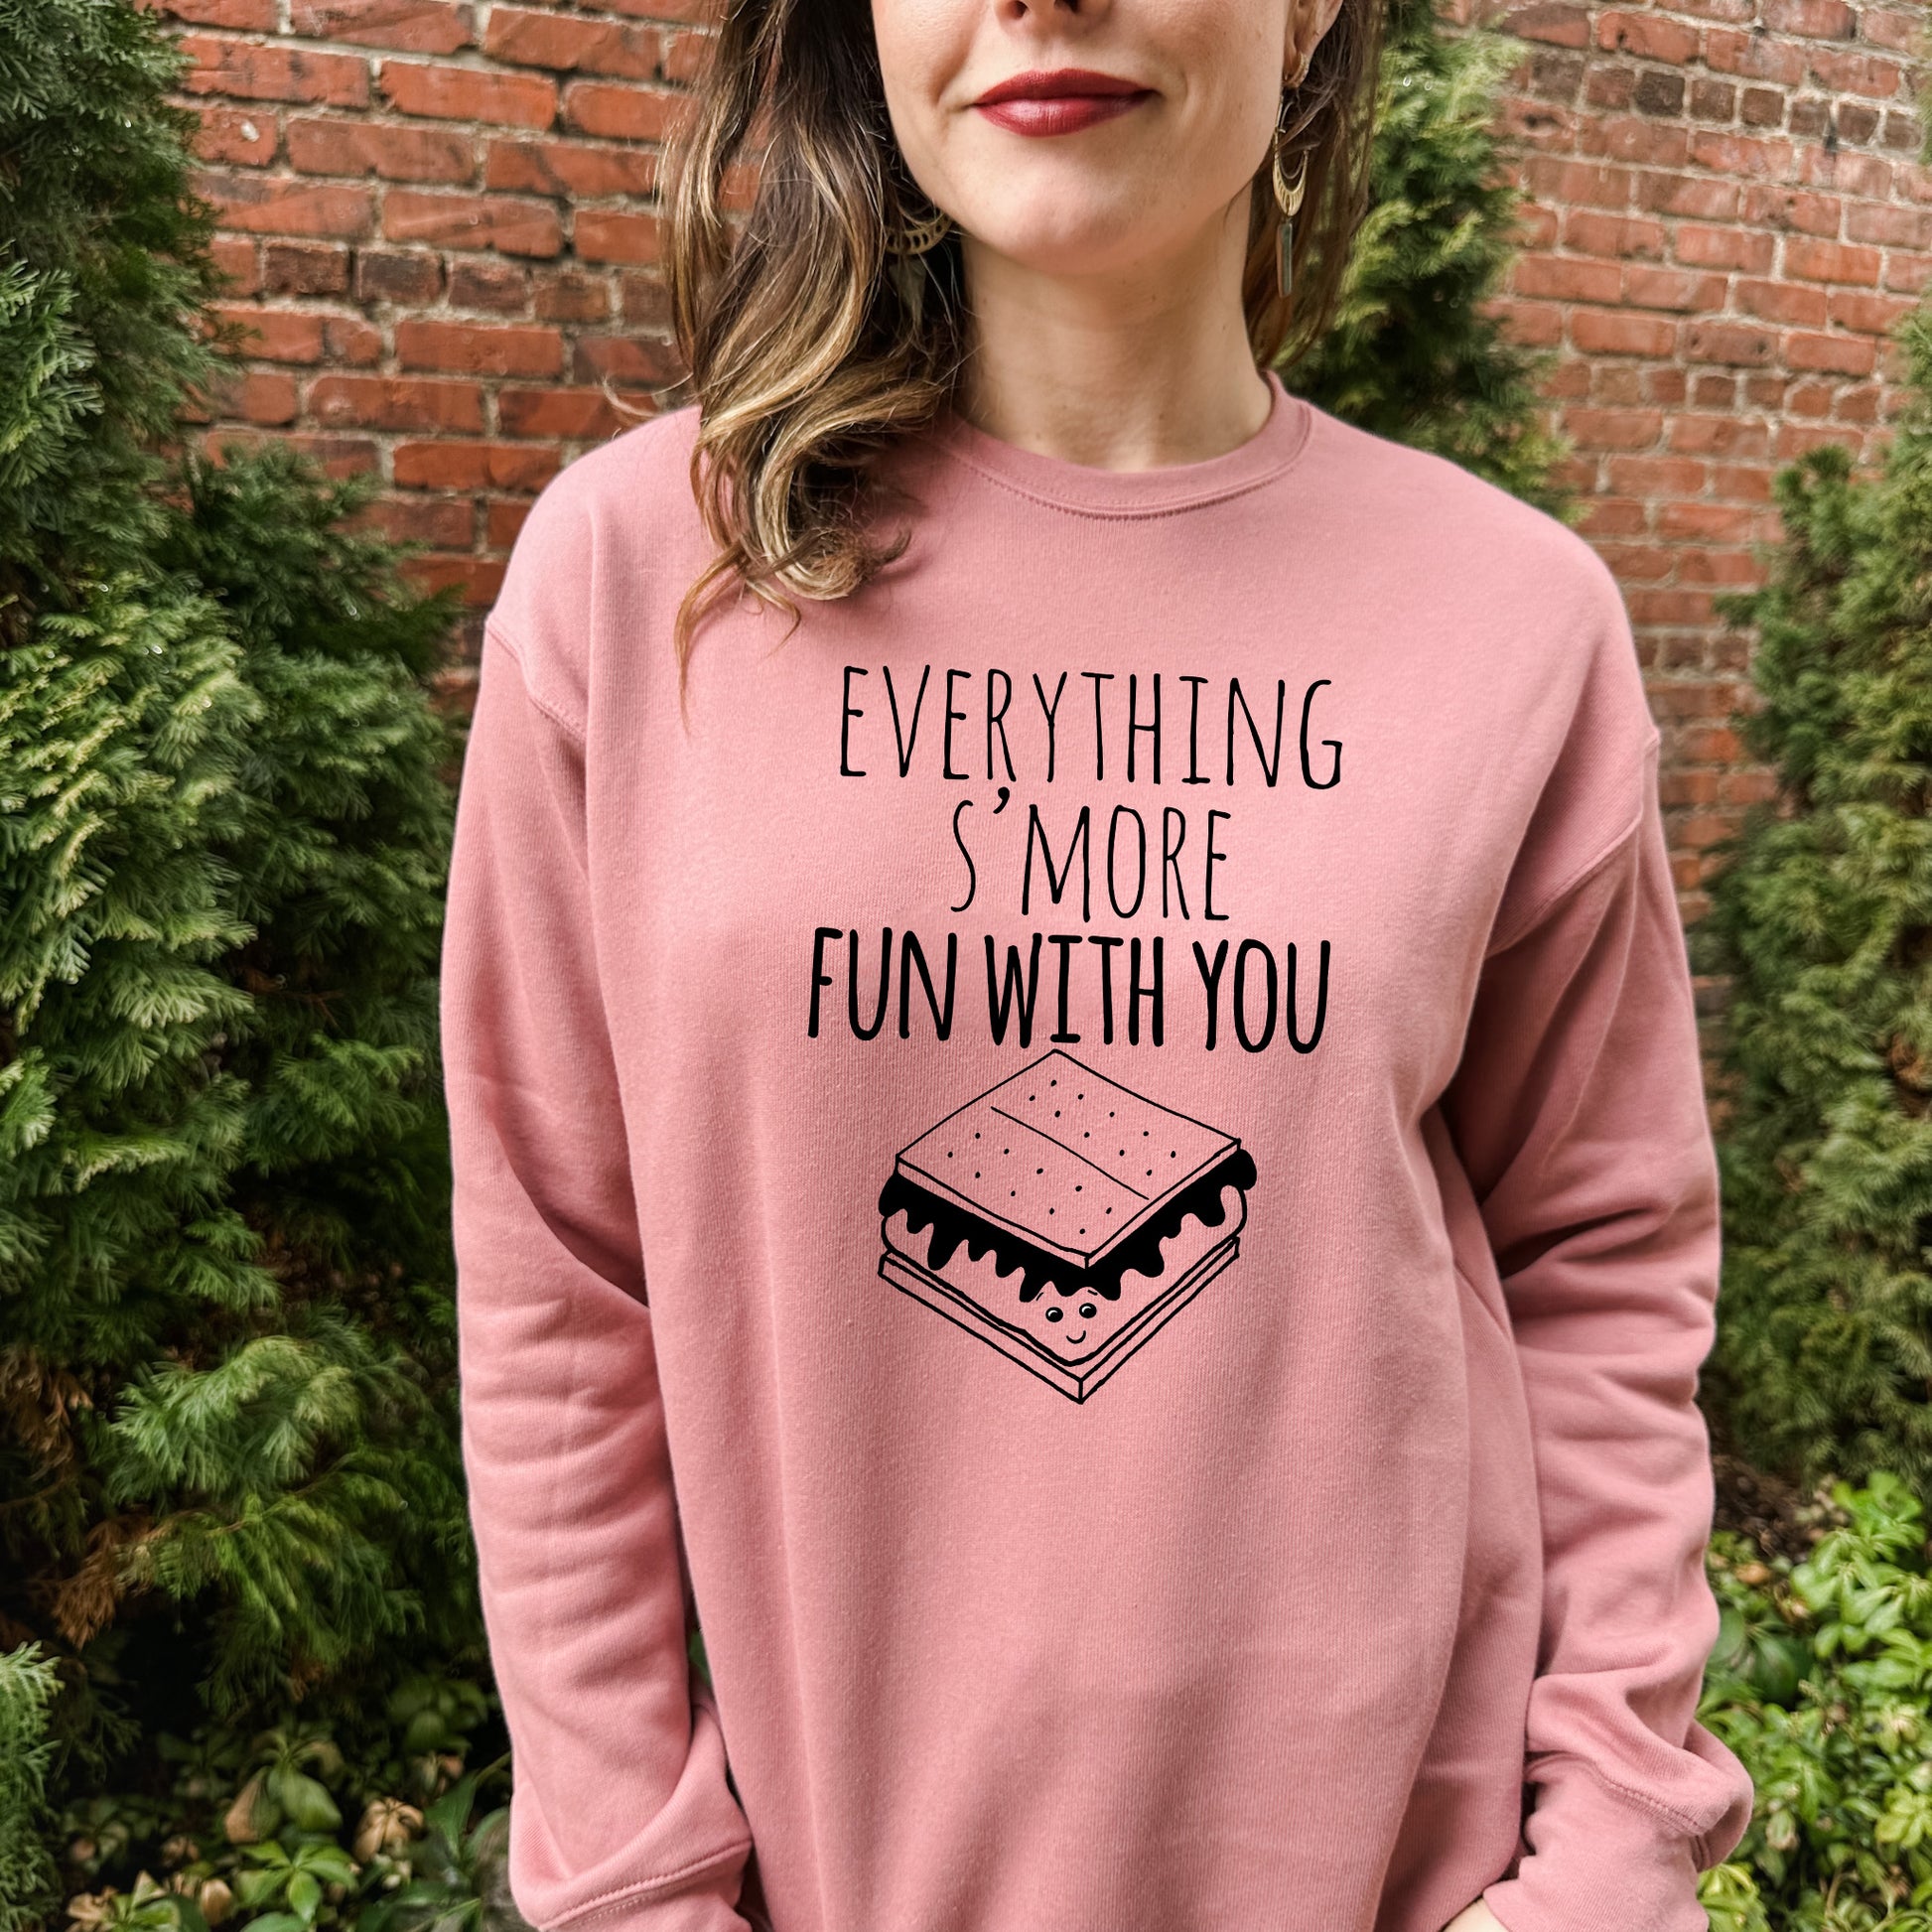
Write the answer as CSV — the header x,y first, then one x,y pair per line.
x,y
1474,1917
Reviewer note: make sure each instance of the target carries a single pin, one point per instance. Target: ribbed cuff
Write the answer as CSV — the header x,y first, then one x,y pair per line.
x,y
686,1913
704,1906
1597,1862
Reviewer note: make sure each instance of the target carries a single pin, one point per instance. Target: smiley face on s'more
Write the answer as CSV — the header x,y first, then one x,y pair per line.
x,y
1063,1218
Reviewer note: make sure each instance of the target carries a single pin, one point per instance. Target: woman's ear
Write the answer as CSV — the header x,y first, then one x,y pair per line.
x,y
1308,22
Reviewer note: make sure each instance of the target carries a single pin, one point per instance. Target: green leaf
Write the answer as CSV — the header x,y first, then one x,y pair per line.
x,y
307,1802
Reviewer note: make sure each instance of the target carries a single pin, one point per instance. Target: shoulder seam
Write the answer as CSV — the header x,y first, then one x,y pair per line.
x,y
492,629
1589,867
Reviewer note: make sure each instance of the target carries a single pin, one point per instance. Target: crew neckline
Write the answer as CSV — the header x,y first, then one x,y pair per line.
x,y
1156,491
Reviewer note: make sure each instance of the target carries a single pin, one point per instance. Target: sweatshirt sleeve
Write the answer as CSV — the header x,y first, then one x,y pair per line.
x,y
620,1814
1578,1112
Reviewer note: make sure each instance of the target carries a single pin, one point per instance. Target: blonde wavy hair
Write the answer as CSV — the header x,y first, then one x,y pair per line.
x,y
807,354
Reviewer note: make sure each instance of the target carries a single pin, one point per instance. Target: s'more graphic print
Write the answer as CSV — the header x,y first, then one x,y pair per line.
x,y
1063,1219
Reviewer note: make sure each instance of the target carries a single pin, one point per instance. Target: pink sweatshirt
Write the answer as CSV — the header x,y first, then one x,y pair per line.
x,y
1097,1164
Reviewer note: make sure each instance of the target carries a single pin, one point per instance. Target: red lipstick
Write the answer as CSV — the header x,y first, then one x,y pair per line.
x,y
1061,102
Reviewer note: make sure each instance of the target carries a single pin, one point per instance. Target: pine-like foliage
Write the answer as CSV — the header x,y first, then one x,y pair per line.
x,y
1823,918
1417,353
228,1471
102,263
27,1689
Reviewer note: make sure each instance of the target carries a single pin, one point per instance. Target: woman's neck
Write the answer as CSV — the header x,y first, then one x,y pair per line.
x,y
1145,366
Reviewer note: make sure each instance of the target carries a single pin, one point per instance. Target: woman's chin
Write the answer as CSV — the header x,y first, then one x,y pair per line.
x,y
1105,245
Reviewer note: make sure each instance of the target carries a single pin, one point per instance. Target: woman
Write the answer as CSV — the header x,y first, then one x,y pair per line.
x,y
1074,1091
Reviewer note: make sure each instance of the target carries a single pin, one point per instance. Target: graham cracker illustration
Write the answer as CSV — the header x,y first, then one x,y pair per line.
x,y
1063,1219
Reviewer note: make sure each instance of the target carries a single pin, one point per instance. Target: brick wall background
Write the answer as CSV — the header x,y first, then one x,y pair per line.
x,y
438,216
1728,217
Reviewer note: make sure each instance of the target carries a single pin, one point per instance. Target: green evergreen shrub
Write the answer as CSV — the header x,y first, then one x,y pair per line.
x,y
230,1497
27,1687
104,261
1418,353
1821,920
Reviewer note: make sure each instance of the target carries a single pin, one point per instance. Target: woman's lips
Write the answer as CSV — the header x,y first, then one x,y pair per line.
x,y
1058,113
1058,100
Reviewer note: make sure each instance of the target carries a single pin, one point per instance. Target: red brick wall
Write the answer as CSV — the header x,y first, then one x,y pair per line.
x,y
438,217
1728,217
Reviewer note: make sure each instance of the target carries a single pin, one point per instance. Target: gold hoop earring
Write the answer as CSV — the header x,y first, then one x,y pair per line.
x,y
1288,194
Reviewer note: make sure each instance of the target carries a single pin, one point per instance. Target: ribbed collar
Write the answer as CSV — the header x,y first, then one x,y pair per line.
x,y
1159,491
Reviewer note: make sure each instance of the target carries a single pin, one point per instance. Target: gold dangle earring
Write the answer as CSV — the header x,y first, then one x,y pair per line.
x,y
1288,194
916,237
905,245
